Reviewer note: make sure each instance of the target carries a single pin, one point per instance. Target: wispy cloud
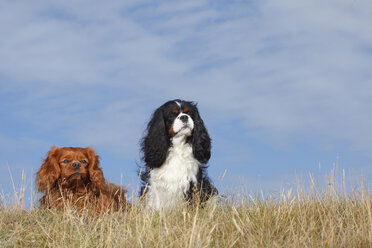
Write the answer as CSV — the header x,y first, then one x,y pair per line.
x,y
91,72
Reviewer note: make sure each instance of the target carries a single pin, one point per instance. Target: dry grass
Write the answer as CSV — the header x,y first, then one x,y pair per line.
x,y
311,218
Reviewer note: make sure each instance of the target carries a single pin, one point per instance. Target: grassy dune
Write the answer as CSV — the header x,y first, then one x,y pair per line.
x,y
313,218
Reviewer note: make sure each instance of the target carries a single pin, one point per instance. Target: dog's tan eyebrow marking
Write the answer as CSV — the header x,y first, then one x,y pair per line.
x,y
176,111
185,110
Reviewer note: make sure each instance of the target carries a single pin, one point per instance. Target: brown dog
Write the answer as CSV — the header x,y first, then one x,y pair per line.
x,y
71,176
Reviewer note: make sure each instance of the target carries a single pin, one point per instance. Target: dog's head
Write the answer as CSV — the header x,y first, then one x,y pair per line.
x,y
69,167
175,119
179,118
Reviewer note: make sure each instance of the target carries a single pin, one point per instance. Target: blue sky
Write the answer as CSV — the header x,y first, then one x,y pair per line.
x,y
282,86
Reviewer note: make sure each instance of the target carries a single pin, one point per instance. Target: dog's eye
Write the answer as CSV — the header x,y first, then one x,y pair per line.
x,y
83,161
65,161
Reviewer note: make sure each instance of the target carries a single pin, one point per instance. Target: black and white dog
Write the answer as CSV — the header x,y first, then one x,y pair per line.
x,y
175,150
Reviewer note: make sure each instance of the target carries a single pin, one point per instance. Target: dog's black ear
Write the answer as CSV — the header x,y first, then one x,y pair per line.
x,y
201,142
156,143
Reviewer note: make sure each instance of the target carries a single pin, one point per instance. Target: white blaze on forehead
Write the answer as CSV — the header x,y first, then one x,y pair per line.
x,y
179,104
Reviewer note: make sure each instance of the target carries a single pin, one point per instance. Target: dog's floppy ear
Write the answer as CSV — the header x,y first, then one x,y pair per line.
x,y
95,172
49,171
156,143
201,142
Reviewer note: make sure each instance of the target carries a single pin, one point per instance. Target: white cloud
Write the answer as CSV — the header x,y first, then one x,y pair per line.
x,y
289,69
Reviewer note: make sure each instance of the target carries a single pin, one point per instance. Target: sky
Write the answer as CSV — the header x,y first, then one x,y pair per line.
x,y
284,87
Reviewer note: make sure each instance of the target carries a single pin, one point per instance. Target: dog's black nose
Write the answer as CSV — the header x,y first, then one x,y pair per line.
x,y
76,166
184,118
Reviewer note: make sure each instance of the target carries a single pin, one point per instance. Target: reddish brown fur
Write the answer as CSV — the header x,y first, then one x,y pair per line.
x,y
170,131
84,188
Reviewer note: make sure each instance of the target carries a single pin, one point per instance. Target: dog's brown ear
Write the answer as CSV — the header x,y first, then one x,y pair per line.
x,y
95,172
49,171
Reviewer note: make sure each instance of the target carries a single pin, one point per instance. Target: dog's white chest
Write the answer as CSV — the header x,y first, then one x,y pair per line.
x,y
171,181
